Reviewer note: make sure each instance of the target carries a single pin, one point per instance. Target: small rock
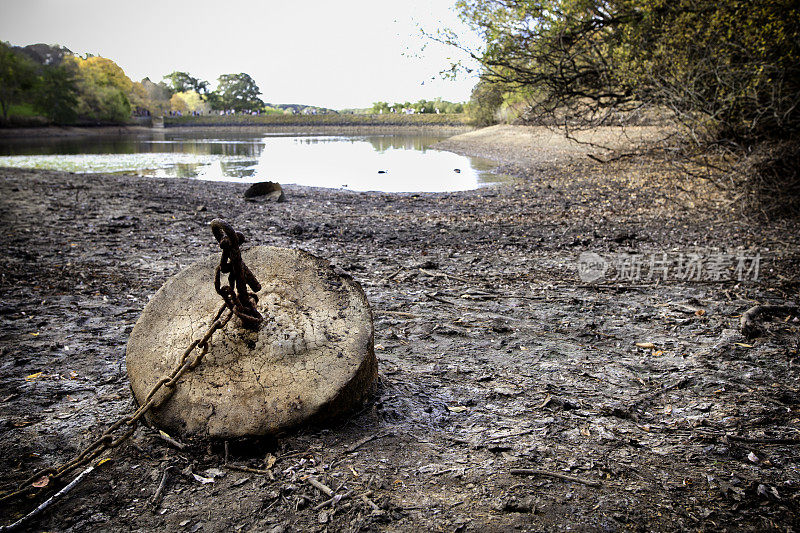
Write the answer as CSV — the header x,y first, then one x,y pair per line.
x,y
517,505
270,190
214,473
428,265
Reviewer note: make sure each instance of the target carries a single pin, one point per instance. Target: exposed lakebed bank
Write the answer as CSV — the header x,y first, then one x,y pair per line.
x,y
493,354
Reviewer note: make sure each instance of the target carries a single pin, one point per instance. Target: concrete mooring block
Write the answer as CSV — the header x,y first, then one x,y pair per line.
x,y
312,358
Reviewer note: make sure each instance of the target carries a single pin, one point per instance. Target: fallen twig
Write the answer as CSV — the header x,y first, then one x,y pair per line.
x,y
538,472
166,438
323,488
436,298
294,454
362,442
392,276
55,497
332,500
749,321
443,275
263,472
370,503
156,498
621,288
653,394
398,313
516,434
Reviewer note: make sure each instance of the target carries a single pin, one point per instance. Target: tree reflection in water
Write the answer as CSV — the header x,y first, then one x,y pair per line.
x,y
386,162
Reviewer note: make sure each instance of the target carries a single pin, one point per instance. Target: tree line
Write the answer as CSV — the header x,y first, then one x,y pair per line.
x,y
421,106
65,88
53,82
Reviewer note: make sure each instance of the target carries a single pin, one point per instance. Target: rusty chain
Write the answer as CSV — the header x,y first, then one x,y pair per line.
x,y
238,302
236,296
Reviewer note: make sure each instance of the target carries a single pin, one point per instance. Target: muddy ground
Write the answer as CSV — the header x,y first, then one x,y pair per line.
x,y
494,355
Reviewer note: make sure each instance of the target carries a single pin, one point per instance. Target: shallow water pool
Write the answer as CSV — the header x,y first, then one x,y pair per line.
x,y
390,163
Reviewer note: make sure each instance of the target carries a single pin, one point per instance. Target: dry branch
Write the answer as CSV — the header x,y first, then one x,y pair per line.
x,y
54,498
538,472
750,319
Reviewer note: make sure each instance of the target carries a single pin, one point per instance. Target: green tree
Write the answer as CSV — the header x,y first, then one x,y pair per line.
x,y
485,101
192,101
56,95
181,82
103,88
238,92
17,77
154,97
726,73
380,107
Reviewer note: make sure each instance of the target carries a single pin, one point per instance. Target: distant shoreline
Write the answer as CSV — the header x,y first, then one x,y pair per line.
x,y
307,129
343,120
324,129
70,131
307,124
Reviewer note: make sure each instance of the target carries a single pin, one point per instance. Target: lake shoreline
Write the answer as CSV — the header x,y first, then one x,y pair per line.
x,y
105,131
70,131
323,129
390,159
494,355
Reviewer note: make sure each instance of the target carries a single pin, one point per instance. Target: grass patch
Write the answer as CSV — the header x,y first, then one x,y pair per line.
x,y
23,116
22,111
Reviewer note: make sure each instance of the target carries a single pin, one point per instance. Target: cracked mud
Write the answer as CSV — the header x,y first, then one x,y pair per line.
x,y
494,358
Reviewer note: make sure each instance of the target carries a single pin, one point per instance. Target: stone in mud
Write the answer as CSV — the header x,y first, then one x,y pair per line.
x,y
311,359
269,190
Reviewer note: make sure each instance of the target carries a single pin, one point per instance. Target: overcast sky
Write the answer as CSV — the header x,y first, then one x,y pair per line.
x,y
335,53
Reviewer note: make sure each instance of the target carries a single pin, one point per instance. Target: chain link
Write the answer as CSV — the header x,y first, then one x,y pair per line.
x,y
238,302
236,296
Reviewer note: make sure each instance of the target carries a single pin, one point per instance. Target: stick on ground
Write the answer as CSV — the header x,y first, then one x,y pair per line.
x,y
54,498
750,321
362,442
323,488
156,499
538,472
332,500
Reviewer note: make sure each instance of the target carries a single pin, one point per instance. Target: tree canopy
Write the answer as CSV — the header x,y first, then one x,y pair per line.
x,y
238,92
726,73
17,76
56,95
421,106
181,82
66,89
103,88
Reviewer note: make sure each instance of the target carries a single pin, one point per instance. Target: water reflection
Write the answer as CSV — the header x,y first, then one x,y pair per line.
x,y
380,143
391,163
